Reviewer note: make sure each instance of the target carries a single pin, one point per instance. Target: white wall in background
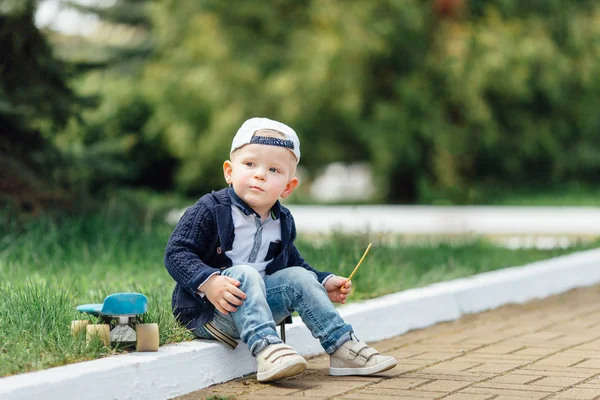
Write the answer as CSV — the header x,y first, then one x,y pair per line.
x,y
344,182
53,15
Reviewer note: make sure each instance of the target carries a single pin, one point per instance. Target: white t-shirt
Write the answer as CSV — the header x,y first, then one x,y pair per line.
x,y
252,239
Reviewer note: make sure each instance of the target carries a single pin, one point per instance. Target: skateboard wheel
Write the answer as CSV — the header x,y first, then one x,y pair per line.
x,y
98,330
78,326
147,337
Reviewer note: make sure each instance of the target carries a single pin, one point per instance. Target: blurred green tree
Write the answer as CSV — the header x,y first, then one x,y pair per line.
x,y
113,145
445,98
442,97
512,90
303,62
35,101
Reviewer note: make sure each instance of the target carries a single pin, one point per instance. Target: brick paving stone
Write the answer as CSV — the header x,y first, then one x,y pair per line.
x,y
500,358
505,397
475,341
556,371
279,391
589,386
557,381
576,326
594,380
578,352
354,381
560,360
436,355
540,337
500,348
462,396
369,396
592,345
447,339
507,392
544,349
444,386
433,358
271,397
400,393
595,364
456,376
408,352
432,347
495,368
532,350
452,366
401,383
578,394
412,364
323,375
325,391
512,386
517,379
573,340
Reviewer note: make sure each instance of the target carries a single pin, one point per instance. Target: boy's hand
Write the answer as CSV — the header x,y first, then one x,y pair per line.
x,y
222,291
338,288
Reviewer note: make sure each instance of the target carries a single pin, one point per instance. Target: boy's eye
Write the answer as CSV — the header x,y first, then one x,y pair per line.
x,y
273,169
249,163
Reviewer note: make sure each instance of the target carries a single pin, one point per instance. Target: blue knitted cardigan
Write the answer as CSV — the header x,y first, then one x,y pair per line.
x,y
197,246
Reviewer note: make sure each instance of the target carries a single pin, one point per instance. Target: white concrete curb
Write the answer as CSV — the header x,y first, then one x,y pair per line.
x,y
178,369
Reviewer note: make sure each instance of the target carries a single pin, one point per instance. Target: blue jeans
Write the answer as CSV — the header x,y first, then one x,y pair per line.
x,y
270,300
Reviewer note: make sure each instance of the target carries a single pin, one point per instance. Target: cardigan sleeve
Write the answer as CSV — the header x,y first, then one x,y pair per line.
x,y
194,234
294,257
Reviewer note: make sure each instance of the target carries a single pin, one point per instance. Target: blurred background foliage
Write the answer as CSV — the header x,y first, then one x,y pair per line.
x,y
445,99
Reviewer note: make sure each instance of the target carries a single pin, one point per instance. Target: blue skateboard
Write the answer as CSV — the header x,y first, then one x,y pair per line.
x,y
119,321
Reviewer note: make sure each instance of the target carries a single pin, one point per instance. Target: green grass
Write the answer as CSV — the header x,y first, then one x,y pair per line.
x,y
570,194
50,265
403,264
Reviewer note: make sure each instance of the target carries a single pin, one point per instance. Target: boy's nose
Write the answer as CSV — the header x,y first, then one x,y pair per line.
x,y
259,174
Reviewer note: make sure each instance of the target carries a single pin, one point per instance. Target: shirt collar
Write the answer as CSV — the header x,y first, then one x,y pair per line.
x,y
246,209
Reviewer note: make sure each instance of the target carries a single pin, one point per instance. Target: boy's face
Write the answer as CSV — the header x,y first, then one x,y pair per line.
x,y
260,174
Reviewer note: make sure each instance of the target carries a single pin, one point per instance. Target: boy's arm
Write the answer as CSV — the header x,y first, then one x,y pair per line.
x,y
194,232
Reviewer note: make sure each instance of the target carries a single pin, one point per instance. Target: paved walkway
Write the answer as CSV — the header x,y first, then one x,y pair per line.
x,y
545,349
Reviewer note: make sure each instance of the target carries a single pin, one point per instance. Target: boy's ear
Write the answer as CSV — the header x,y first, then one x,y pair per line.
x,y
289,188
227,169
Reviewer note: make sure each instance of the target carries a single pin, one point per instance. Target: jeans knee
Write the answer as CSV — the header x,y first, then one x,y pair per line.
x,y
246,274
302,278
242,272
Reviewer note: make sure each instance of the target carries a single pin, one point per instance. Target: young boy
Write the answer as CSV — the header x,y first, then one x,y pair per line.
x,y
239,273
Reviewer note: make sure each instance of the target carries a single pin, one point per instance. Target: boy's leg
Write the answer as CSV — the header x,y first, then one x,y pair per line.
x,y
253,319
297,289
253,323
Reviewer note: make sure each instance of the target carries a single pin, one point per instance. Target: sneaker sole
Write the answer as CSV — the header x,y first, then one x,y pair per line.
x,y
284,370
375,369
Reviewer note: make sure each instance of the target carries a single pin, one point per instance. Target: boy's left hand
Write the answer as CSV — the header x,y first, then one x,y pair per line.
x,y
338,288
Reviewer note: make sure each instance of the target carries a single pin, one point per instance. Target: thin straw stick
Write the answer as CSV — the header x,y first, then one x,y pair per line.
x,y
360,262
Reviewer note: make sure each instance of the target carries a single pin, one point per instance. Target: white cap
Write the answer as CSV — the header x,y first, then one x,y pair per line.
x,y
245,135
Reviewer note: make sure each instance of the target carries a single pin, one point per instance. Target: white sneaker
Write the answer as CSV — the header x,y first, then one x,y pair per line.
x,y
278,361
357,358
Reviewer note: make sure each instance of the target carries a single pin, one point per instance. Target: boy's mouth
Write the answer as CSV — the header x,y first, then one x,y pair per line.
x,y
256,188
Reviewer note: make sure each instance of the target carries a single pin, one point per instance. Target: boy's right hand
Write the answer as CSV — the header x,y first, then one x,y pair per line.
x,y
223,292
